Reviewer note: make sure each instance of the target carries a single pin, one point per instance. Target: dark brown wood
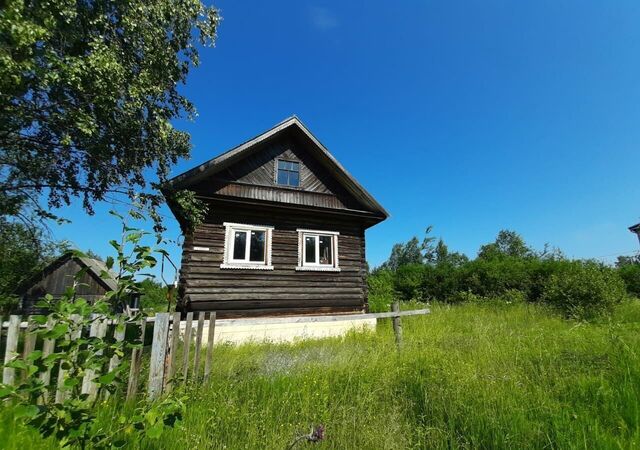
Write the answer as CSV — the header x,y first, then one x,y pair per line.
x,y
241,187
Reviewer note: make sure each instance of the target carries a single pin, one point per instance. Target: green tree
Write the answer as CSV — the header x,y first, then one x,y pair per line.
x,y
24,251
507,243
88,91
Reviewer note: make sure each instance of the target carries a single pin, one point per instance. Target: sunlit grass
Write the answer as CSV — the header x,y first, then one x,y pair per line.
x,y
470,376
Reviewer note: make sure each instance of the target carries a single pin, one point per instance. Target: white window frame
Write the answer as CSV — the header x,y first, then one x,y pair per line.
x,y
229,242
305,266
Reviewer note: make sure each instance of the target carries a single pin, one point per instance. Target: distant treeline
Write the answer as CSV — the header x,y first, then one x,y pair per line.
x,y
506,269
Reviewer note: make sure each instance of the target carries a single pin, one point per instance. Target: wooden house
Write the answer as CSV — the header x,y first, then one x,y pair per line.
x,y
60,275
285,230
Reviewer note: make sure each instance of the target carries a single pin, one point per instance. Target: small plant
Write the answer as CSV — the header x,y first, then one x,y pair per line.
x,y
88,368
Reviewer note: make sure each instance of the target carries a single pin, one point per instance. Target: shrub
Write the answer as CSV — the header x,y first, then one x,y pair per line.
x,y
408,281
584,290
381,291
630,274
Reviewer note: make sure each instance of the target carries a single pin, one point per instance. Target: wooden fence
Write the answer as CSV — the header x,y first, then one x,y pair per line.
x,y
164,367
18,341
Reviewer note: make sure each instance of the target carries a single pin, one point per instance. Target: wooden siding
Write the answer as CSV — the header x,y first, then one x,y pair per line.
x,y
254,177
282,291
56,280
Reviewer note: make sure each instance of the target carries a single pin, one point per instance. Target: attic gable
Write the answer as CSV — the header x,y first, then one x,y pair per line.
x,y
254,163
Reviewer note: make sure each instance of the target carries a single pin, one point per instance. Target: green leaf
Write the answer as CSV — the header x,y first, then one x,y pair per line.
x,y
28,411
107,378
155,431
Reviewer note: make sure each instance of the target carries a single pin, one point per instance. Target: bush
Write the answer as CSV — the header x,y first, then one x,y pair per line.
x,y
630,274
584,290
408,281
381,292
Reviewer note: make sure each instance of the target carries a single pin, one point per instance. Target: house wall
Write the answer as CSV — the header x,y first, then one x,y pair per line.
x,y
282,291
56,281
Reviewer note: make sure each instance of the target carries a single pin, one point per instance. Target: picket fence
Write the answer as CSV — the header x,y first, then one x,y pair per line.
x,y
164,367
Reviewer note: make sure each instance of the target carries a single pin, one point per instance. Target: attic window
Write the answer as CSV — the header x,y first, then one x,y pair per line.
x,y
288,173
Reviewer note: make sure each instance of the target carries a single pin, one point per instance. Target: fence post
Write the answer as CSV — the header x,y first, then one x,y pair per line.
x,y
136,361
8,374
158,354
173,352
187,345
208,361
196,356
47,348
397,324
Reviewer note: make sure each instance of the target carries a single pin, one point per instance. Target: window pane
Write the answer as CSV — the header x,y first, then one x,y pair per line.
x,y
310,249
239,244
325,250
256,248
282,164
295,166
294,180
283,177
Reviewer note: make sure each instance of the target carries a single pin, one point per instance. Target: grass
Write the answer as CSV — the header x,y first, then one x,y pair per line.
x,y
471,376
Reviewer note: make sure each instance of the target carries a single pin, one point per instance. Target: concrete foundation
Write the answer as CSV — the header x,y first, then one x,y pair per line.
x,y
284,329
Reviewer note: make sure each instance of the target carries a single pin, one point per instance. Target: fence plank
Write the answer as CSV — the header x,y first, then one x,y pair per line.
x,y
11,348
47,348
187,345
136,361
209,359
158,354
29,340
173,352
98,330
119,331
196,356
61,393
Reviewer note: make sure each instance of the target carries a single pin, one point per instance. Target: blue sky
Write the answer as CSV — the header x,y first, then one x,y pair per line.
x,y
469,116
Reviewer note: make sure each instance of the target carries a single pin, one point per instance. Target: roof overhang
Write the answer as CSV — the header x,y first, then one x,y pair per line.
x,y
193,176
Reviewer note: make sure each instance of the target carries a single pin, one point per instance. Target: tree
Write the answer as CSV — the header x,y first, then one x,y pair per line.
x,y
87,94
23,253
507,243
444,256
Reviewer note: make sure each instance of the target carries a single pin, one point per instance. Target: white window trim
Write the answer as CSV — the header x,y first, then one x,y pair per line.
x,y
310,267
230,263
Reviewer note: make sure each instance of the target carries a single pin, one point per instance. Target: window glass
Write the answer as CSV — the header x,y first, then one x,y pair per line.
x,y
239,244
256,247
325,250
310,249
288,173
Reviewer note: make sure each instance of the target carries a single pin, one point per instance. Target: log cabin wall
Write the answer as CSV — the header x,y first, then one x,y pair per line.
x,y
282,291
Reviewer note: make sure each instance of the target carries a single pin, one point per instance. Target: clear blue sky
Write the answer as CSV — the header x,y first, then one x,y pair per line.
x,y
470,116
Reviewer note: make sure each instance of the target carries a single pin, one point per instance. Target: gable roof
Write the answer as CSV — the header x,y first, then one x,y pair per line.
x,y
94,268
229,157
635,228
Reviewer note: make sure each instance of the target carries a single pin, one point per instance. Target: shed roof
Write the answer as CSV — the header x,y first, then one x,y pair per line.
x,y
323,155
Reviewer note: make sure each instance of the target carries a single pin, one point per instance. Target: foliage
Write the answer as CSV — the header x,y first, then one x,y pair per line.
x,y
630,274
154,296
408,281
381,290
72,418
507,243
24,252
88,93
584,290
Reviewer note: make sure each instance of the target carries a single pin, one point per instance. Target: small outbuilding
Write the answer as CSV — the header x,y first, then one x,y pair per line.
x,y
60,275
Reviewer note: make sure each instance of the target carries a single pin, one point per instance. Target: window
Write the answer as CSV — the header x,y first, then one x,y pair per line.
x,y
288,173
318,250
247,247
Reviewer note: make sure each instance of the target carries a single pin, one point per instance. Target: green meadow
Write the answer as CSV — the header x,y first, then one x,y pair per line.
x,y
477,375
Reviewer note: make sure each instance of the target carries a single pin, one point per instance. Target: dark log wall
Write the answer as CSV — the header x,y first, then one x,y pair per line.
x,y
254,177
57,280
282,291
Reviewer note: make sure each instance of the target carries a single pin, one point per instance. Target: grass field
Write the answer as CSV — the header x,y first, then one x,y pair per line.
x,y
471,376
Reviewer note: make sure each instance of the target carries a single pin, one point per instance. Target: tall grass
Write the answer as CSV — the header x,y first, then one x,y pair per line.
x,y
469,376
